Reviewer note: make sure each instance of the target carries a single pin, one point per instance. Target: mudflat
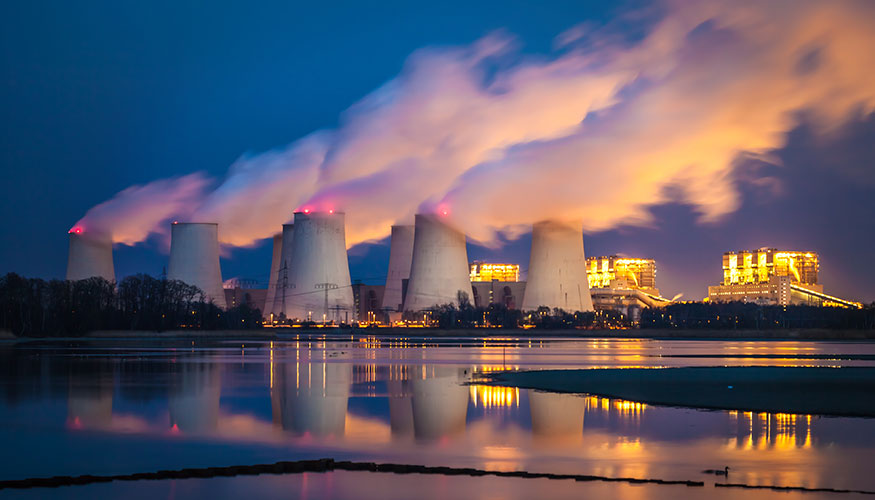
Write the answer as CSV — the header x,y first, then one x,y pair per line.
x,y
847,391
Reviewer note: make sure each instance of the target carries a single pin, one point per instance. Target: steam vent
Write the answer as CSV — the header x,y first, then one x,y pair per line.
x,y
194,258
400,258
557,269
439,270
319,281
90,255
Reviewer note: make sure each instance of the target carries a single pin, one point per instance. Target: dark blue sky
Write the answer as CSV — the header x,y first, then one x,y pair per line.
x,y
97,96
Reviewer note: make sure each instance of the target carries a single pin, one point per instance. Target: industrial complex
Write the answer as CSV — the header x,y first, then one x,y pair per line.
x,y
429,267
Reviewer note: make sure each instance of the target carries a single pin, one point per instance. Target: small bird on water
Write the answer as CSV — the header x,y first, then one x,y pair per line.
x,y
717,472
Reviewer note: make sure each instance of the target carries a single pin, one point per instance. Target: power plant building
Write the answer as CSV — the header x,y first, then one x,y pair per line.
x,y
770,276
194,258
485,271
622,273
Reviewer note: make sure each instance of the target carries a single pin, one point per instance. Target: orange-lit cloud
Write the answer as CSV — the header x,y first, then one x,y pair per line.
x,y
600,131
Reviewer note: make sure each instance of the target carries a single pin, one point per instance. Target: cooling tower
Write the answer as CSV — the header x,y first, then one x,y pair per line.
x,y
439,269
90,255
194,258
274,272
557,269
319,269
400,257
283,291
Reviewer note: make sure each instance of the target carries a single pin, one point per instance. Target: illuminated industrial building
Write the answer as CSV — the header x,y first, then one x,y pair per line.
x,y
622,273
623,284
484,271
770,276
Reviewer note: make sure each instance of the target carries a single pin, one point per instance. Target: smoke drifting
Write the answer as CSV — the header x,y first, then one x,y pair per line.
x,y
138,211
600,131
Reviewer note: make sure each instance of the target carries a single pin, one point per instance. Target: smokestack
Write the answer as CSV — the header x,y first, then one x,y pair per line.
x,y
274,272
319,283
439,270
557,269
194,258
400,257
283,292
90,255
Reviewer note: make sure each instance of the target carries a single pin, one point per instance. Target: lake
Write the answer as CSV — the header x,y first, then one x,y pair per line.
x,y
118,406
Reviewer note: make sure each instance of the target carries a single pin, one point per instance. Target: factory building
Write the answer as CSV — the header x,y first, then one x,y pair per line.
x,y
485,271
769,276
244,291
368,300
622,273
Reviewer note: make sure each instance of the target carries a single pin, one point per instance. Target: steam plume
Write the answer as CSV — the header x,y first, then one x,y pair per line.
x,y
600,131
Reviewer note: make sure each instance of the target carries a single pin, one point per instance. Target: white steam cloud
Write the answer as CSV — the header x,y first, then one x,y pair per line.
x,y
599,131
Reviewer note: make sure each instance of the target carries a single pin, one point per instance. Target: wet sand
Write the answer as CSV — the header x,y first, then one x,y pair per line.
x,y
800,390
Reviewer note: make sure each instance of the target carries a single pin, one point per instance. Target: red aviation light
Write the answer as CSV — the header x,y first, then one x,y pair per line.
x,y
331,210
75,230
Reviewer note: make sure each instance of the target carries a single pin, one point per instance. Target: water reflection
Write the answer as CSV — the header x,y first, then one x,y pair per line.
x,y
309,396
193,402
372,399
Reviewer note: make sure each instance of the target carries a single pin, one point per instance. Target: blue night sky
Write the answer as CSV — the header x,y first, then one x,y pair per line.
x,y
101,95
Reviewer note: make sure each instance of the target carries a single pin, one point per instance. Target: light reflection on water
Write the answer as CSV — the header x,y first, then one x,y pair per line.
x,y
129,406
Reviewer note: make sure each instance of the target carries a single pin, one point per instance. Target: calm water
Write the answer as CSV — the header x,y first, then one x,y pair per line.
x,y
124,406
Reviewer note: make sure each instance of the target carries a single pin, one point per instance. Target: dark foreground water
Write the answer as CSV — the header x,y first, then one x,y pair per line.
x,y
125,406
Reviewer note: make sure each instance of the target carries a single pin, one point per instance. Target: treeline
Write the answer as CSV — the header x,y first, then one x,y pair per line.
x,y
56,308
466,315
747,316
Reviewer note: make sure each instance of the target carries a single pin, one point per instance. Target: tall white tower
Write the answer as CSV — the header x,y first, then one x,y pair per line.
x,y
557,268
400,258
194,258
89,255
319,281
439,269
283,292
274,273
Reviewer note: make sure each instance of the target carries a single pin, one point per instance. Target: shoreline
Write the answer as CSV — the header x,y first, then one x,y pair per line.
x,y
655,334
827,391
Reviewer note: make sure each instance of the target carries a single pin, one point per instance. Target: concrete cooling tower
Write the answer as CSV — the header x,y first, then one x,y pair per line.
x,y
439,270
194,258
557,269
90,255
274,272
400,257
319,269
283,292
